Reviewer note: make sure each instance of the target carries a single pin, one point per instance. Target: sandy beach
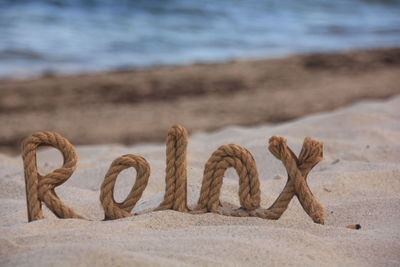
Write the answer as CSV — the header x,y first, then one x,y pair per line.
x,y
358,182
199,133
137,106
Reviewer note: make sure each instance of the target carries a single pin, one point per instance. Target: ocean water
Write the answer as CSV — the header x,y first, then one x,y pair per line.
x,y
70,36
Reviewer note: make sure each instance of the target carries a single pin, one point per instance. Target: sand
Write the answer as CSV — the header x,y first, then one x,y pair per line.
x,y
136,106
358,182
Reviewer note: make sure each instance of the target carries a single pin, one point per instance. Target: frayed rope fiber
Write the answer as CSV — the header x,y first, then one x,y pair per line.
x,y
42,188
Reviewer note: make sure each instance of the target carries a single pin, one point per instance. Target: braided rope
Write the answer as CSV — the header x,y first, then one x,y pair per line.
x,y
41,188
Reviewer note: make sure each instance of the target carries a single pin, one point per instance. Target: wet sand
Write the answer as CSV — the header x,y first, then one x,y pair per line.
x,y
140,105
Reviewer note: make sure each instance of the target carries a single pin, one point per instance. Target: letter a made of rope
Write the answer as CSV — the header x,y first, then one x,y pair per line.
x,y
42,188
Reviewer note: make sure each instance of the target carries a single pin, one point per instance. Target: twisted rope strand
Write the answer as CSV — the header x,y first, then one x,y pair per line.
x,y
249,185
112,209
41,188
175,197
298,169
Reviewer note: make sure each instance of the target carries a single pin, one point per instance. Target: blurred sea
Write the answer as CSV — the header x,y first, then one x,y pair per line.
x,y
70,36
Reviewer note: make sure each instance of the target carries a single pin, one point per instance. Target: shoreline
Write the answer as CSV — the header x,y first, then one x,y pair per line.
x,y
52,73
140,105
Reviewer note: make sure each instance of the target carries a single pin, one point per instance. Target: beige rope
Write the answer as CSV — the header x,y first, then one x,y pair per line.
x,y
112,209
175,197
244,164
41,188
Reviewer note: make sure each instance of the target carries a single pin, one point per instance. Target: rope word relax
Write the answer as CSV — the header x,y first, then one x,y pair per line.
x,y
42,188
